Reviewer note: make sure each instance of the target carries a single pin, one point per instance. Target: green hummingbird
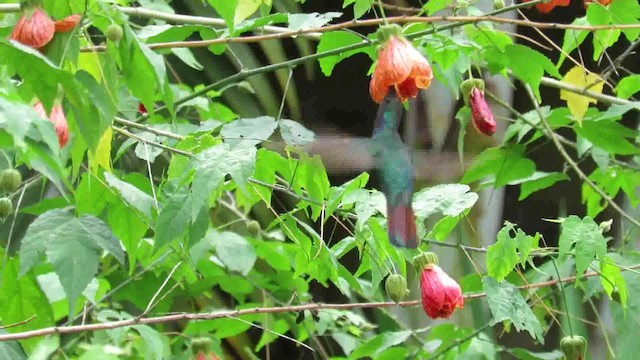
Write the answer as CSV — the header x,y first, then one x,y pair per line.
x,y
393,162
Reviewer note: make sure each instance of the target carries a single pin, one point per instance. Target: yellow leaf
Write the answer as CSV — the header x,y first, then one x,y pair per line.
x,y
579,104
245,8
90,62
101,157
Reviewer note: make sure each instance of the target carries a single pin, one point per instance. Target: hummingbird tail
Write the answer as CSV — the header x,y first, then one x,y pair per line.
x,y
401,226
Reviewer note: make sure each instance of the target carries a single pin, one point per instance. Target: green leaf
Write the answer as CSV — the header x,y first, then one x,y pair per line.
x,y
507,304
234,251
573,39
248,132
334,40
226,9
448,199
628,86
11,350
507,164
538,181
245,8
360,7
612,280
72,245
523,354
379,343
295,134
436,5
174,218
213,164
311,20
611,136
625,322
583,236
502,256
133,196
21,299
529,65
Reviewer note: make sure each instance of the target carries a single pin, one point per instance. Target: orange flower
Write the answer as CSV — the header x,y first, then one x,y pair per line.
x,y
67,24
441,295
58,119
547,7
399,65
35,31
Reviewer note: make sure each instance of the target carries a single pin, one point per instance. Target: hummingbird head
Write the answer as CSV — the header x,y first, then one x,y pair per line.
x,y
390,112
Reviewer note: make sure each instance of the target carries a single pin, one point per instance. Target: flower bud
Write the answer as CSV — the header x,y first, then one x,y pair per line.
x,y
114,32
481,115
6,207
423,260
10,180
573,347
253,227
396,286
605,226
498,4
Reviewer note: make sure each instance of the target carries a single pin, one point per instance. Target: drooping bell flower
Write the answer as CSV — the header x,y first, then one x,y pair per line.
x,y
67,24
546,7
399,65
573,347
58,120
441,295
481,115
35,29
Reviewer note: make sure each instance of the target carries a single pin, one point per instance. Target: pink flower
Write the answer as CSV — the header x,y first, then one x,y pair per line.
x,y
441,295
481,114
58,119
399,65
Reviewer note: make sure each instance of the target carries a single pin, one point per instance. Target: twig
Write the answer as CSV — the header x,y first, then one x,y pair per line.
x,y
22,322
268,310
573,165
152,143
608,99
373,22
148,129
460,341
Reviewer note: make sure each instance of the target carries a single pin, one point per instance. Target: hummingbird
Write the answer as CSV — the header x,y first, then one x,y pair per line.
x,y
393,162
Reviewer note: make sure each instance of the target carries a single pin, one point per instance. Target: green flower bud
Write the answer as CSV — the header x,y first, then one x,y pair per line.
x,y
573,347
396,286
200,344
498,4
10,180
605,226
6,207
422,260
114,32
254,228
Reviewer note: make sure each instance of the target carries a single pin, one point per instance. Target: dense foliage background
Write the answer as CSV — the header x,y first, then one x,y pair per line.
x,y
206,192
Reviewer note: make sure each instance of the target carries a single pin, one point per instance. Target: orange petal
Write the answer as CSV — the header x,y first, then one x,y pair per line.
x,y
67,24
407,89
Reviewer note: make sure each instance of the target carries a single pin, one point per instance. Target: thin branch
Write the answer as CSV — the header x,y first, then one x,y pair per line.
x,y
152,143
374,22
148,129
574,166
258,310
608,99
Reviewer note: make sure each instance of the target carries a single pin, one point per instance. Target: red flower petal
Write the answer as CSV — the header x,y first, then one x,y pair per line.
x,y
547,7
35,31
67,24
441,295
481,115
60,124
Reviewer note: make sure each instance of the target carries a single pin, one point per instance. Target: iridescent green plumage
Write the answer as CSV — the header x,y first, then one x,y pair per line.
x,y
393,162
